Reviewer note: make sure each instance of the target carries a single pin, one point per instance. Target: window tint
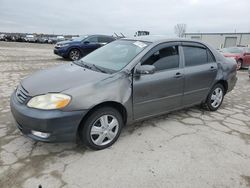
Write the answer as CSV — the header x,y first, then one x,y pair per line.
x,y
210,57
195,55
92,39
105,39
166,58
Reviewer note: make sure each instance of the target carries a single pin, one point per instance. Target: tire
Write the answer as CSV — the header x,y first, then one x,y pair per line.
x,y
239,64
102,128
74,54
215,98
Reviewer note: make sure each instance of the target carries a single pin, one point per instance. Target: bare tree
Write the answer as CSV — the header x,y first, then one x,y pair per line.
x,y
180,30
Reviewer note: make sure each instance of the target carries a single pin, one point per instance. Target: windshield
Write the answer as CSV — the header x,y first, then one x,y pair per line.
x,y
115,55
80,38
233,50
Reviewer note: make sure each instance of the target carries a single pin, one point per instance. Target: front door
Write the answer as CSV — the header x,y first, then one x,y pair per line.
x,y
90,44
161,91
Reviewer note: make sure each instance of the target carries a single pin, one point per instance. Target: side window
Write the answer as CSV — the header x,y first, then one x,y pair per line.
x,y
195,55
109,39
92,39
210,57
104,39
165,58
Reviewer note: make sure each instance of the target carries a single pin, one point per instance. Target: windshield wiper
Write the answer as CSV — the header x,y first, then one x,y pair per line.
x,y
89,66
98,68
82,64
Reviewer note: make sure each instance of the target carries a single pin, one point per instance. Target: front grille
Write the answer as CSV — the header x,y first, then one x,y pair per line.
x,y
22,94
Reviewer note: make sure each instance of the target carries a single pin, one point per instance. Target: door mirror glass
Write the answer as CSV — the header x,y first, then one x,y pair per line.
x,y
145,69
86,42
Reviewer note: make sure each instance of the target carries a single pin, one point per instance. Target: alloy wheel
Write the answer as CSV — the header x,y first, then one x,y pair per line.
x,y
104,130
74,55
216,97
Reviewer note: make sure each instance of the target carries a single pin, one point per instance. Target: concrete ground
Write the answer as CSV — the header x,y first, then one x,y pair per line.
x,y
188,148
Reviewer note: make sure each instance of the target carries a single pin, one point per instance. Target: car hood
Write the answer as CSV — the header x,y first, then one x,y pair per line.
x,y
60,78
231,55
67,42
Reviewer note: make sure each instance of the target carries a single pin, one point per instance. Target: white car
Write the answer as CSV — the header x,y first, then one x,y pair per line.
x,y
30,38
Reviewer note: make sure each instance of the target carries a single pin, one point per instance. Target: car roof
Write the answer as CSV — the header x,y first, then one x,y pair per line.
x,y
160,39
98,35
157,39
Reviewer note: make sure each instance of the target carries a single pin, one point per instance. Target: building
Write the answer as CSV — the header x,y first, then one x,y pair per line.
x,y
221,40
141,33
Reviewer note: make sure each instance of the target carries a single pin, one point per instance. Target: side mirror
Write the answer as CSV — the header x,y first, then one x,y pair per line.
x,y
86,42
145,69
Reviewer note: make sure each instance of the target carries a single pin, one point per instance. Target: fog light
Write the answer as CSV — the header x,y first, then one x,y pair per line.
x,y
40,134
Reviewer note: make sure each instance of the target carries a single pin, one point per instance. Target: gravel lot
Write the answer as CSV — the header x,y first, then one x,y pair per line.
x,y
187,148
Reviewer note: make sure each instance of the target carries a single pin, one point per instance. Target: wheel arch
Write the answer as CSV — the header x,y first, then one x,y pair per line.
x,y
118,106
240,59
224,84
72,48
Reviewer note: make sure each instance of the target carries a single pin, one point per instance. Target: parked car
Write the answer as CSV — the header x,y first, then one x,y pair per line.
x,y
77,48
30,38
123,82
3,37
19,38
60,38
241,55
42,39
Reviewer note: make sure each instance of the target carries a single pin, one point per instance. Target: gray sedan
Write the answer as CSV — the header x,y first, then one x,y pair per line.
x,y
249,72
125,81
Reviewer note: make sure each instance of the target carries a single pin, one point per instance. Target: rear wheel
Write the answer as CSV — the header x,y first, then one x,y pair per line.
x,y
74,54
215,97
102,128
239,64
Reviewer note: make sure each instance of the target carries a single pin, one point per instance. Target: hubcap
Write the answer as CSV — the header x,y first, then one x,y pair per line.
x,y
74,55
216,97
104,130
238,64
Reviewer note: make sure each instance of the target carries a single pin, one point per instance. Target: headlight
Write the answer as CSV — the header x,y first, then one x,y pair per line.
x,y
49,101
62,45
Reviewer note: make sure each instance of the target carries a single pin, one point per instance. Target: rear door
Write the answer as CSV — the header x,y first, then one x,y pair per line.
x,y
200,72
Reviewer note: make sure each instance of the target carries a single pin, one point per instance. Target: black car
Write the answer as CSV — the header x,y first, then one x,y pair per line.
x,y
77,48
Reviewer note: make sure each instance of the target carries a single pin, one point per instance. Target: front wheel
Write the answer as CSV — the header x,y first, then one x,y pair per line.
x,y
239,64
215,98
102,128
74,54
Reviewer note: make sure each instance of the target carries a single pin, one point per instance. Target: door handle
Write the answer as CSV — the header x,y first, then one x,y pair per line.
x,y
212,68
178,75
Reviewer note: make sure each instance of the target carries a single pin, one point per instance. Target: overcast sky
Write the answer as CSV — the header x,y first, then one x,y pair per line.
x,y
126,16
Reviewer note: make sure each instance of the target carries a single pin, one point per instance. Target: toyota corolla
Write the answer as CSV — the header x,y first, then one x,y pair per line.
x,y
125,81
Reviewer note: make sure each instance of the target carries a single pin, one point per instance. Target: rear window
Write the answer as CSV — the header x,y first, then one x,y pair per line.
x,y
197,55
232,50
194,55
104,39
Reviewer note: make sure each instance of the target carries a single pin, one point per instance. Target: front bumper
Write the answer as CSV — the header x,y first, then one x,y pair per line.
x,y
61,125
61,52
